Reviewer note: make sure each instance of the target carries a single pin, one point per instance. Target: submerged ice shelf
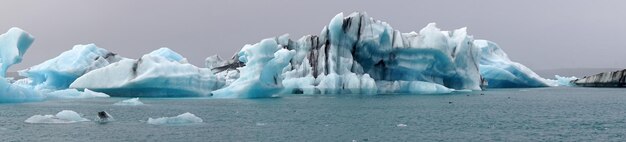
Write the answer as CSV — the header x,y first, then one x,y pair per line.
x,y
354,54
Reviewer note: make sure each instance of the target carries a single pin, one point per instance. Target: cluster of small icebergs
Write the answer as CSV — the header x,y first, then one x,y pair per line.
x,y
69,116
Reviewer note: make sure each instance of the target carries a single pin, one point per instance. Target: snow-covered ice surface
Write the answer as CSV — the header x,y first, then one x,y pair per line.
x,y
65,116
129,102
75,94
185,118
161,73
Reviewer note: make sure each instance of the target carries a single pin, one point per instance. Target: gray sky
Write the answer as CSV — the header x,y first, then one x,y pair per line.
x,y
538,33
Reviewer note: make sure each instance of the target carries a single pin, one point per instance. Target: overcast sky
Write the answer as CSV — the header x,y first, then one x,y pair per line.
x,y
539,34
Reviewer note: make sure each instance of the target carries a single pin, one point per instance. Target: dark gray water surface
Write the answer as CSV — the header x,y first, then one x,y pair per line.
x,y
542,114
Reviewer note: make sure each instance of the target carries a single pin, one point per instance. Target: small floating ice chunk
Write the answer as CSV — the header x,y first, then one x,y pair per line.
x,y
565,81
65,116
129,102
185,118
401,125
104,117
464,90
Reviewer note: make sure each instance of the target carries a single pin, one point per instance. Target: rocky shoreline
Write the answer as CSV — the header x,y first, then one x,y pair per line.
x,y
606,79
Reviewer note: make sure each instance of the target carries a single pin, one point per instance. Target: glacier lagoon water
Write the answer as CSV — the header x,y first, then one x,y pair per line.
x,y
539,114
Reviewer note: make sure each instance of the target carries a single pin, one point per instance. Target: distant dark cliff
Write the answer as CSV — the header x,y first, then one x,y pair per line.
x,y
606,79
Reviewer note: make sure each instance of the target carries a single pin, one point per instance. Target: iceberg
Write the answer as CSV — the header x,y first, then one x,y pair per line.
x,y
261,77
357,55
353,54
13,45
562,81
104,117
161,73
129,102
65,116
58,73
501,72
185,118
10,93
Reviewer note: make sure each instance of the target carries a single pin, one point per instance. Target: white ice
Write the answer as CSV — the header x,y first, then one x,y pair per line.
x,y
262,75
59,72
129,102
75,94
185,118
161,73
13,45
562,81
65,116
501,72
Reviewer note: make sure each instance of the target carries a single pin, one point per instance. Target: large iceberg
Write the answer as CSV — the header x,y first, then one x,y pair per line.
x,y
13,45
360,55
501,72
161,73
59,72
